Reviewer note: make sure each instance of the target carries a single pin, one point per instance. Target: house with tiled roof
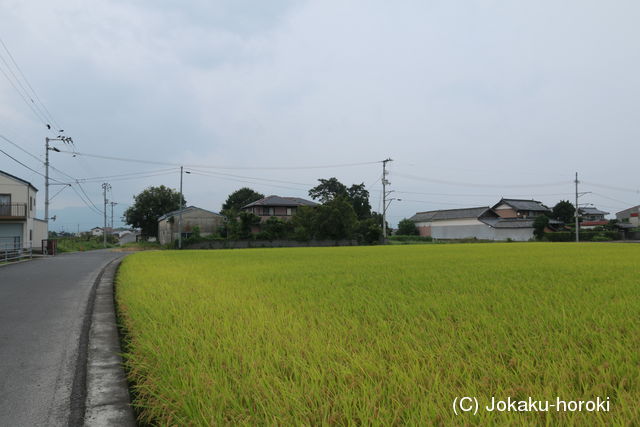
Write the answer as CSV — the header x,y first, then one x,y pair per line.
x,y
278,206
520,208
591,217
509,219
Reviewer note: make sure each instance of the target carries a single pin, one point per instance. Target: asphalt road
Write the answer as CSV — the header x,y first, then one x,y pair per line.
x,y
43,305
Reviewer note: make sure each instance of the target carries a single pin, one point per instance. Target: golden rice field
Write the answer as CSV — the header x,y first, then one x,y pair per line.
x,y
382,335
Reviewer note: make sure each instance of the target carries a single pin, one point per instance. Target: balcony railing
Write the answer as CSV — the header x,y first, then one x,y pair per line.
x,y
13,210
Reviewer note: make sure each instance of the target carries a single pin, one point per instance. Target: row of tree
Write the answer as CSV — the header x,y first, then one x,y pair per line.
x,y
344,213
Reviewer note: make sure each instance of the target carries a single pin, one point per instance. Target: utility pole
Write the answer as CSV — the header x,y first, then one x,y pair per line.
x,y
112,205
180,213
66,140
577,214
105,187
385,182
46,183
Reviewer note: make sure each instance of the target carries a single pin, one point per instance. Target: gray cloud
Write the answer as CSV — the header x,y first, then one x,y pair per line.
x,y
476,92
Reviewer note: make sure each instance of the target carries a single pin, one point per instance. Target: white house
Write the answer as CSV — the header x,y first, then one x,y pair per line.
x,y
96,231
19,228
481,223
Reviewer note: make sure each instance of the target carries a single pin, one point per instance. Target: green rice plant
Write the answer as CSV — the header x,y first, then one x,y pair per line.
x,y
383,335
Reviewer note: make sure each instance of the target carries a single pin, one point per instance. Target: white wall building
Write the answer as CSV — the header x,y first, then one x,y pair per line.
x,y
482,223
19,228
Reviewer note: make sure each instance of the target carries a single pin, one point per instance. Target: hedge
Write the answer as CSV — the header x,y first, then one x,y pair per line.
x,y
585,236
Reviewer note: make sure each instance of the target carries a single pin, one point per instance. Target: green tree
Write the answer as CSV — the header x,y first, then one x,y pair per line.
x,y
406,227
149,205
327,190
359,198
239,198
303,223
275,228
539,224
246,221
331,189
335,220
369,231
564,211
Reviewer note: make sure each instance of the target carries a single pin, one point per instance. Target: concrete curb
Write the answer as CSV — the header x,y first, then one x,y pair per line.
x,y
107,402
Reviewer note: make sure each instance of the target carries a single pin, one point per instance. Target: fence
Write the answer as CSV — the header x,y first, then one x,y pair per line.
x,y
11,249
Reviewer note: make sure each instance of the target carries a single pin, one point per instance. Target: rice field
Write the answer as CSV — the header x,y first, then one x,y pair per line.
x,y
382,335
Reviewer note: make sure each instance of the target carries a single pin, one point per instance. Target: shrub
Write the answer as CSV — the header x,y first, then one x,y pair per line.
x,y
411,238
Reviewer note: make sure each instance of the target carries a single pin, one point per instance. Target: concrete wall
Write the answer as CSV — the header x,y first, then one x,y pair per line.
x,y
40,232
479,231
517,234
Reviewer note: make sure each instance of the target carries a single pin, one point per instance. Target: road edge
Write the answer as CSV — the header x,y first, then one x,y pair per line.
x,y
107,400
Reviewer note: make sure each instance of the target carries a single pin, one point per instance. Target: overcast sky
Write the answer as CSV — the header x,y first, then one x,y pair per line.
x,y
472,100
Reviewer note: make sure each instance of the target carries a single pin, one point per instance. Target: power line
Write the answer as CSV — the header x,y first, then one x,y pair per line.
x,y
20,148
612,199
479,195
28,167
30,105
249,177
472,184
152,162
126,174
247,182
130,178
89,204
611,187
44,107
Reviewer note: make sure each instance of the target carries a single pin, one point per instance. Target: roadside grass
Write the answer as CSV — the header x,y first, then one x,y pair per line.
x,y
381,335
139,246
72,244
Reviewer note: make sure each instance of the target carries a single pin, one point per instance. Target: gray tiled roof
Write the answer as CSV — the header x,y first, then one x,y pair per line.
x,y
185,210
523,205
449,214
592,211
281,201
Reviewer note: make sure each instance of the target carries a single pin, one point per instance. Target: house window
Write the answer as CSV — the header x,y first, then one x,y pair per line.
x,y
289,211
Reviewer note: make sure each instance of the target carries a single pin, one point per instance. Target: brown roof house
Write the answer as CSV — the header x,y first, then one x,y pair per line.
x,y
280,207
520,208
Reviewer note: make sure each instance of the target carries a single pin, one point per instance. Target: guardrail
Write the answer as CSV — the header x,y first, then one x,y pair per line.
x,y
15,254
